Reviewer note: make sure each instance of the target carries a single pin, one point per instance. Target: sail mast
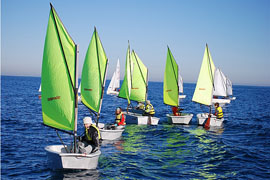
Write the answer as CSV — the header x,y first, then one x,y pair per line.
x,y
212,79
76,96
104,80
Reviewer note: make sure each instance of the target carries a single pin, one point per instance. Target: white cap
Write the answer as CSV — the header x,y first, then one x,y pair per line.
x,y
148,101
118,109
87,120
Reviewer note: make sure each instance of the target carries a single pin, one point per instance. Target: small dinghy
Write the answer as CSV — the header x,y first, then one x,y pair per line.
x,y
115,81
93,82
39,90
172,86
135,118
137,73
59,101
203,93
201,118
184,118
59,158
221,89
108,133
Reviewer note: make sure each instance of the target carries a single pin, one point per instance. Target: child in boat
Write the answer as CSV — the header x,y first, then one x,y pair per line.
x,y
176,111
140,106
119,118
149,109
219,112
90,142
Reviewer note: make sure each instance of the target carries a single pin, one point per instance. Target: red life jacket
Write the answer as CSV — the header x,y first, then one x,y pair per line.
x,y
120,119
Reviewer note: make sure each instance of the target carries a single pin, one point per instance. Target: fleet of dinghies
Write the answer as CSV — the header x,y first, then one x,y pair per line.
x,y
61,95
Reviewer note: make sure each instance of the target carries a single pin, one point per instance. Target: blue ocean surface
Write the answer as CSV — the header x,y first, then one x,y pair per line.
x,y
239,150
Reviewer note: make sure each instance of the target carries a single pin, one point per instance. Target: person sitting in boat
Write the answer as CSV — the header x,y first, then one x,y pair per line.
x,y
140,106
176,111
119,118
219,112
149,109
90,142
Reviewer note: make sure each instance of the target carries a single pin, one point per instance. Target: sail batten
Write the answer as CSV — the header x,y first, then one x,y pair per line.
x,y
58,76
205,83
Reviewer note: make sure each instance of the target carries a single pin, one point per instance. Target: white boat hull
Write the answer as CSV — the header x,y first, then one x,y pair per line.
x,y
113,93
58,158
183,119
221,102
182,96
109,134
213,120
134,118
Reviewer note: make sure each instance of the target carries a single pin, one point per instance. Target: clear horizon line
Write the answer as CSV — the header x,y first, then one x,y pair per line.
x,y
260,85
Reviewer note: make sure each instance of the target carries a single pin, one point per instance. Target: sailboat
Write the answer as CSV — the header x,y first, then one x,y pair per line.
x,y
173,85
223,89
93,82
59,96
229,89
134,88
115,81
79,94
220,89
39,90
203,93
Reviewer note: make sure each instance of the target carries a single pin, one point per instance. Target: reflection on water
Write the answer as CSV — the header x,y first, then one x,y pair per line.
x,y
75,174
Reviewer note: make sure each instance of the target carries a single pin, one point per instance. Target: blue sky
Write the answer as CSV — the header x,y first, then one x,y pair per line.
x,y
237,33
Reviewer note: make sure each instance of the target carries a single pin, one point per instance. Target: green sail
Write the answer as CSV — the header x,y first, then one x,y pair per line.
x,y
139,79
204,87
126,85
170,85
94,74
58,76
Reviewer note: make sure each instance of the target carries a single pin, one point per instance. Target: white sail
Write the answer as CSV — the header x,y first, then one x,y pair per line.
x,y
115,81
180,83
229,87
79,90
117,75
219,83
39,90
111,85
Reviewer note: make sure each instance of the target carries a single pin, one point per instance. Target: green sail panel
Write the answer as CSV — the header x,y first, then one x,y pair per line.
x,y
126,85
204,87
139,79
58,76
94,74
170,84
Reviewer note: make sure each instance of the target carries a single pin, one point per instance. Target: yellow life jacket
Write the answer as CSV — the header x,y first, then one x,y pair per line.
x,y
88,135
148,110
141,106
219,113
118,117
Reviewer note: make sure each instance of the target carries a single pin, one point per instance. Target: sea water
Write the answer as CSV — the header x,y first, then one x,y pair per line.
x,y
239,150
